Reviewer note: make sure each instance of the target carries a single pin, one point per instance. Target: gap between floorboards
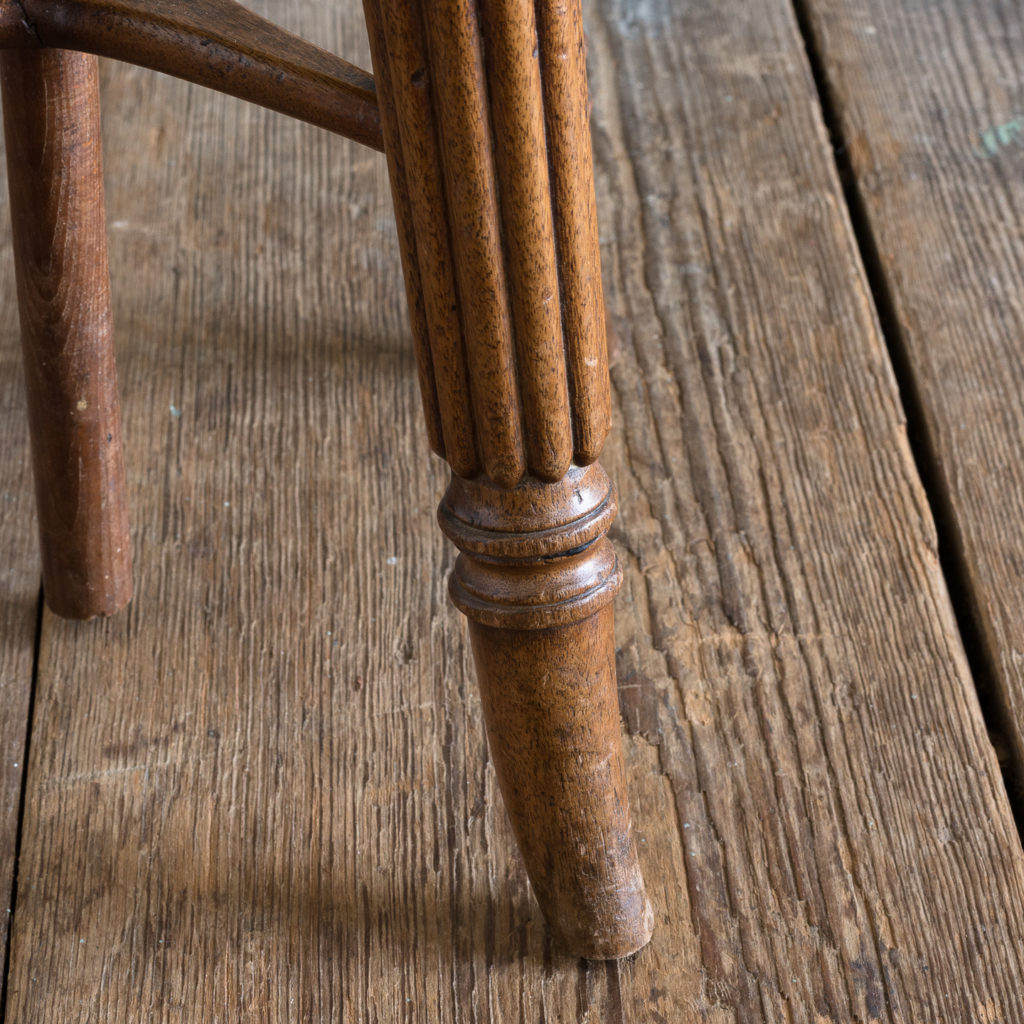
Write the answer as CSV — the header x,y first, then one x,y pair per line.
x,y
29,716
951,553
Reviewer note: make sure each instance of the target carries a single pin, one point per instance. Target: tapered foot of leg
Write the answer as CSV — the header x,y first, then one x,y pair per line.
x,y
536,579
52,132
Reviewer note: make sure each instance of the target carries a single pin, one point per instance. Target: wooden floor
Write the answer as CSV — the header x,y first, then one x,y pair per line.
x,y
263,793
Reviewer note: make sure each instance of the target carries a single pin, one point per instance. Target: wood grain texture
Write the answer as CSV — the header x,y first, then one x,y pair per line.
x,y
55,171
259,795
931,100
786,637
19,574
553,732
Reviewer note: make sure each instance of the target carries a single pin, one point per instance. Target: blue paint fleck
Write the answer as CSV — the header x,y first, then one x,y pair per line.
x,y
1002,136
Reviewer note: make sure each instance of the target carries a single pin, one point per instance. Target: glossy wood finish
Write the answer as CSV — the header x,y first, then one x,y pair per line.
x,y
398,40
216,43
501,152
55,176
505,244
453,66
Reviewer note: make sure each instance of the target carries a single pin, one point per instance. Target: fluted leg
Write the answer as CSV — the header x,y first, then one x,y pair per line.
x,y
491,175
51,127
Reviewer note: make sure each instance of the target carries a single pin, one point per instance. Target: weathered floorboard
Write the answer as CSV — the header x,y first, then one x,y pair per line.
x,y
262,794
930,98
19,571
789,645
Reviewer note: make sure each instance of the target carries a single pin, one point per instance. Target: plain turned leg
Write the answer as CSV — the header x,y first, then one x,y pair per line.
x,y
52,132
491,174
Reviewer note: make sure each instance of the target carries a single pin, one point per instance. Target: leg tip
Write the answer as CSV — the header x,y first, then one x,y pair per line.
x,y
85,602
620,934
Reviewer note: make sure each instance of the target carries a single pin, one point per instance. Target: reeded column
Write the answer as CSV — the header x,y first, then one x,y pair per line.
x,y
491,173
52,133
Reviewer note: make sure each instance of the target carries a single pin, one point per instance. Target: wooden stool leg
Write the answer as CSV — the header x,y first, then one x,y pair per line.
x,y
52,132
493,185
536,578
